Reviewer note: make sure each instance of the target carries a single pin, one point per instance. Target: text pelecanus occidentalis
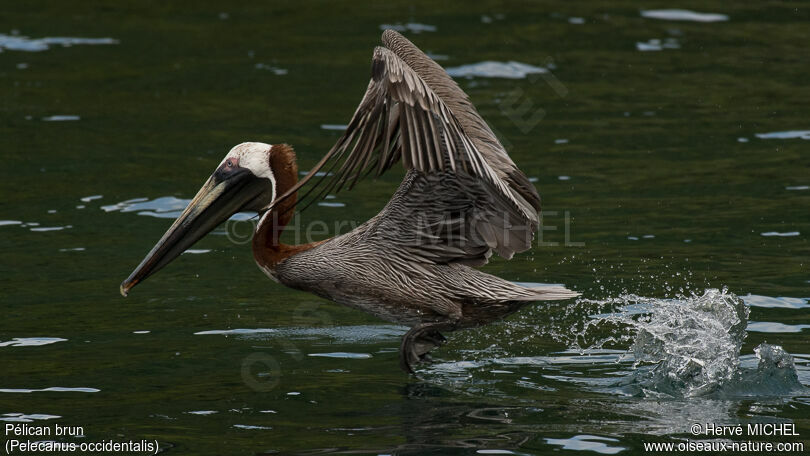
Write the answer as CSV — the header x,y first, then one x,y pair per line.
x,y
412,263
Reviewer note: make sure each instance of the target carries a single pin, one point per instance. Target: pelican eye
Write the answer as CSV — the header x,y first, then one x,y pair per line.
x,y
229,163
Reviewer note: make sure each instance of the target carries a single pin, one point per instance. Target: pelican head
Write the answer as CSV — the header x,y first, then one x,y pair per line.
x,y
243,181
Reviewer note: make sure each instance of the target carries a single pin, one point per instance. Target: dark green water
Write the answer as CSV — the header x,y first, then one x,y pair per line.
x,y
648,159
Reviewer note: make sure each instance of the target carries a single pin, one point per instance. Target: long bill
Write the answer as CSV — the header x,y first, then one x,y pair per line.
x,y
218,199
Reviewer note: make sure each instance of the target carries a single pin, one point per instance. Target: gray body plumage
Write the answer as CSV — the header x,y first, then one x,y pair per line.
x,y
378,268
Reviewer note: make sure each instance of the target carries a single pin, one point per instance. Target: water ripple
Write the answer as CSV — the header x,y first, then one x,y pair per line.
x,y
342,355
31,341
168,207
61,118
26,418
248,426
683,15
356,334
57,389
790,134
26,44
587,443
413,27
492,69
780,234
775,302
658,45
774,327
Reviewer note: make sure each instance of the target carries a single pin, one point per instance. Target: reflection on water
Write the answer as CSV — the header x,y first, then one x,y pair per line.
x,y
272,68
410,27
42,229
344,334
491,69
16,42
31,341
54,389
336,127
778,234
61,118
776,302
658,45
683,15
594,443
331,204
26,418
792,134
249,426
164,207
341,355
196,251
774,327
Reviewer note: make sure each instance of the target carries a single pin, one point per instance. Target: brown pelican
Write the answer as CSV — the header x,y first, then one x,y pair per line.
x,y
413,263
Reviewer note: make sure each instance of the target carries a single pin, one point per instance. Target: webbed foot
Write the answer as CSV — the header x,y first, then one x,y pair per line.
x,y
420,340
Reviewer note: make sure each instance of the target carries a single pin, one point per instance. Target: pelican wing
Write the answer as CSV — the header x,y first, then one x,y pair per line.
x,y
449,217
414,112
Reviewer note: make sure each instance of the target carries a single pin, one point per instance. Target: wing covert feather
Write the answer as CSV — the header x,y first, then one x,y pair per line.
x,y
414,112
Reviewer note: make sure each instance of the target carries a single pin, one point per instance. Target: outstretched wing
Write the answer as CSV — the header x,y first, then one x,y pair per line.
x,y
414,112
449,217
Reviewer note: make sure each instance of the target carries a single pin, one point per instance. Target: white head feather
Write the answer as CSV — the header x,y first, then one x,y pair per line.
x,y
255,157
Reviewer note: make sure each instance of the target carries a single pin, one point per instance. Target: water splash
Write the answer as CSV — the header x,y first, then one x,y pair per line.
x,y
668,348
694,343
774,375
687,346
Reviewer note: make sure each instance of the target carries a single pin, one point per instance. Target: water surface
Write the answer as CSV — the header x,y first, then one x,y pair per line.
x,y
669,143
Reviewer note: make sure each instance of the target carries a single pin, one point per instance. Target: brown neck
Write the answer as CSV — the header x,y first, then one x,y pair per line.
x,y
267,247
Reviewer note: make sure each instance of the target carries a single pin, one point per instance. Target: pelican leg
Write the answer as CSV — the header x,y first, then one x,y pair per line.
x,y
420,340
